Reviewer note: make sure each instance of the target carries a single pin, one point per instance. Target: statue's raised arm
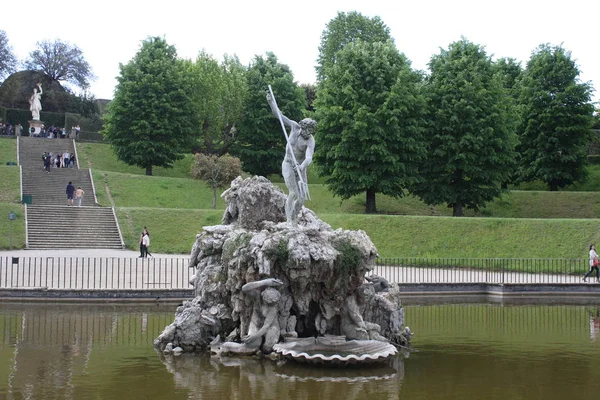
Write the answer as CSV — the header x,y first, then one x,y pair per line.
x,y
277,113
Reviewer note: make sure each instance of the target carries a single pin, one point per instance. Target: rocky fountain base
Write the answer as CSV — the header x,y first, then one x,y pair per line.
x,y
266,286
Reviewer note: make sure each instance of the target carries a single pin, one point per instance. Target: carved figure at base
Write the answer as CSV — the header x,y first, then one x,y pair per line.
x,y
264,322
298,156
379,283
353,326
35,104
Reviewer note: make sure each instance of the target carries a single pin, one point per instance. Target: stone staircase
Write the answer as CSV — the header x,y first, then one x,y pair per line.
x,y
51,224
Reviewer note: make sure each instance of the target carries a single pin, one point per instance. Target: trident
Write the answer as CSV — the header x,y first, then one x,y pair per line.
x,y
302,186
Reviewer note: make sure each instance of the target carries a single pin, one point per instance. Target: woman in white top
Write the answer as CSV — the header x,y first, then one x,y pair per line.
x,y
593,264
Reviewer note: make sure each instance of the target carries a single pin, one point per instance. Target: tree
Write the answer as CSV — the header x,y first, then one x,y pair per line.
x,y
152,120
8,61
217,172
310,92
556,119
61,61
370,115
219,90
471,138
260,142
343,30
511,71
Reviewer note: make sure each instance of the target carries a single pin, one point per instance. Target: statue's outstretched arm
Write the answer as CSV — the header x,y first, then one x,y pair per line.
x,y
276,112
269,282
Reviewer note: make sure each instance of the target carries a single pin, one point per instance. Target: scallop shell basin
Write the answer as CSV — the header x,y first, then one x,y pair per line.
x,y
336,350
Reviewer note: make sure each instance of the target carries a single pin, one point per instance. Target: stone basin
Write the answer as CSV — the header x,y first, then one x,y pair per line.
x,y
336,350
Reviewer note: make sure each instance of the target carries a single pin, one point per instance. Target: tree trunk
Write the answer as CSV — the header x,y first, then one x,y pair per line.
x,y
457,210
214,198
149,170
371,206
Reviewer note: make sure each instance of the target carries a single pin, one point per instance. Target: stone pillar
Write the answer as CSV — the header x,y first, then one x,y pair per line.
x,y
35,127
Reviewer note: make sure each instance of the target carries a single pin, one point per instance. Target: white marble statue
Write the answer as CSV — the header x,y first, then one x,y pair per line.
x,y
298,156
35,104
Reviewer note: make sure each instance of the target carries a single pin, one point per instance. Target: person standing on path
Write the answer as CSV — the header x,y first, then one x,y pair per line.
x,y
141,241
146,244
70,193
593,264
79,195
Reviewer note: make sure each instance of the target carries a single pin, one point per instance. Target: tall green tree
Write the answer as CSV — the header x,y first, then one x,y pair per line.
x,y
61,62
511,72
152,121
260,143
219,91
556,119
346,28
471,136
370,113
8,61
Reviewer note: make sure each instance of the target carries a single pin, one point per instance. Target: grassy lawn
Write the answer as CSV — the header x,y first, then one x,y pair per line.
x,y
131,190
173,231
100,156
522,223
447,237
18,226
10,184
8,150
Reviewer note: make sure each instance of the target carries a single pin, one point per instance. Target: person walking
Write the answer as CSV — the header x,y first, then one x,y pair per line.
x,y
70,193
146,244
79,195
47,158
141,240
593,264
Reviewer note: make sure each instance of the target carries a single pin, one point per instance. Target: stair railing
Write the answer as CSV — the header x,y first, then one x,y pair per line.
x,y
76,154
118,227
93,186
18,158
26,229
21,178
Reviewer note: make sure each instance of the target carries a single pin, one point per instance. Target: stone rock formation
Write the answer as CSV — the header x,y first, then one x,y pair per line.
x,y
256,273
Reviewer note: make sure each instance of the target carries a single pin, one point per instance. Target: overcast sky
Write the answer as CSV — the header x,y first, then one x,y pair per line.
x,y
110,32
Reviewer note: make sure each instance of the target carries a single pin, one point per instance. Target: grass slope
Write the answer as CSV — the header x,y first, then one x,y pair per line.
x,y
524,223
8,150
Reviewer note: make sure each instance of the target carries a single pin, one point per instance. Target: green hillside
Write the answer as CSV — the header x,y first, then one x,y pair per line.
x,y
521,224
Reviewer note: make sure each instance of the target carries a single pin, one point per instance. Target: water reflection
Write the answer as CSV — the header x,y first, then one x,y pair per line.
x,y
265,379
483,351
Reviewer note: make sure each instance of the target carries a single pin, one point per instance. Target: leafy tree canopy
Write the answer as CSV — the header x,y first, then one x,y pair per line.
x,y
8,61
152,119
61,61
345,29
556,119
471,135
370,113
260,142
219,91
217,172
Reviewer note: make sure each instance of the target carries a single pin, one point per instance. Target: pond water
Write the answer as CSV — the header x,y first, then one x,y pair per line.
x,y
461,351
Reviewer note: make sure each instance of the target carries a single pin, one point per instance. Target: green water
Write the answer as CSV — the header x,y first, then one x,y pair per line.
x,y
461,351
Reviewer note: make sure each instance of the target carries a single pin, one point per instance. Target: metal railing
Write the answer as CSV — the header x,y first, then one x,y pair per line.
x,y
78,273
482,270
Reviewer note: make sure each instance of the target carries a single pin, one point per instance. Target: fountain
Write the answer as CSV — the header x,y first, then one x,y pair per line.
x,y
265,285
274,278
